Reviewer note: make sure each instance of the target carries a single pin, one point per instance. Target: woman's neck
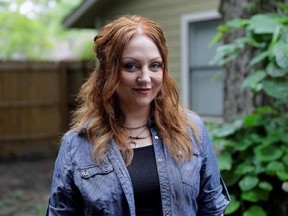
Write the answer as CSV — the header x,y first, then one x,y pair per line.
x,y
136,118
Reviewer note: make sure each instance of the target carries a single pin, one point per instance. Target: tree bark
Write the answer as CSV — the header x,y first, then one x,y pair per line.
x,y
239,101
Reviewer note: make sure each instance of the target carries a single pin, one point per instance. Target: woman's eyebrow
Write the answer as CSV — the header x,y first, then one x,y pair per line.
x,y
134,59
129,58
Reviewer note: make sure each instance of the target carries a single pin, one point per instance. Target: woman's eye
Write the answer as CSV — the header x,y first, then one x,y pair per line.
x,y
156,65
130,67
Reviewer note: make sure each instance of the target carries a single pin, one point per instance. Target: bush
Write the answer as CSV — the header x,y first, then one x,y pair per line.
x,y
254,148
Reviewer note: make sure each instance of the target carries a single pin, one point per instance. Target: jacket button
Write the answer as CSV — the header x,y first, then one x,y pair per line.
x,y
85,173
167,213
164,186
159,160
156,137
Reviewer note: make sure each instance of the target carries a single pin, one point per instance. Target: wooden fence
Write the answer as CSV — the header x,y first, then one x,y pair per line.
x,y
36,99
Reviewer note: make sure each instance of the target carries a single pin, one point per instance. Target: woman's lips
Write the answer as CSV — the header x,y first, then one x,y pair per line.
x,y
142,90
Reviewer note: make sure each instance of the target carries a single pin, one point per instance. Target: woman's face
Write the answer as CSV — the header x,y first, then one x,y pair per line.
x,y
141,73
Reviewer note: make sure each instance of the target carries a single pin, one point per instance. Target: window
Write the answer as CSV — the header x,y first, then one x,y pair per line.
x,y
206,85
202,83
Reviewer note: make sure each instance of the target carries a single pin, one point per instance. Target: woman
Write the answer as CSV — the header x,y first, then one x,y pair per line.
x,y
133,149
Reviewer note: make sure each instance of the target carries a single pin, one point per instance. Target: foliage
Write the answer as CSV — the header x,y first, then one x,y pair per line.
x,y
254,157
32,30
268,34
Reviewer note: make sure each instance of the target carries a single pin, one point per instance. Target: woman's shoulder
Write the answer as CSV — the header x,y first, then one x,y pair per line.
x,y
71,134
200,127
76,132
76,146
72,138
194,118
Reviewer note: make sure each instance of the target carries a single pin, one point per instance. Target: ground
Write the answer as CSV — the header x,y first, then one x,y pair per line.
x,y
25,187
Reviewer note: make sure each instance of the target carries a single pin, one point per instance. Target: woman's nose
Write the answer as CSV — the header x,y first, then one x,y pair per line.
x,y
144,75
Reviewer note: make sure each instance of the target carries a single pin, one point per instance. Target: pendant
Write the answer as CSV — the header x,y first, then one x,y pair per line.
x,y
133,143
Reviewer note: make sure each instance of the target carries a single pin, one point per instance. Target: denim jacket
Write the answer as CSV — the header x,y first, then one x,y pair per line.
x,y
81,187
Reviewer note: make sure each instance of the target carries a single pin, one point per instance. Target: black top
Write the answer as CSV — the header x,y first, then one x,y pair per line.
x,y
144,177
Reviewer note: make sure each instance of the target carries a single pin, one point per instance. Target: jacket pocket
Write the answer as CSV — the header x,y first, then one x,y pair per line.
x,y
99,187
102,169
190,173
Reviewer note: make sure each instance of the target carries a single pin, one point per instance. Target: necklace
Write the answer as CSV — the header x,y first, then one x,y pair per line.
x,y
134,143
132,140
138,137
135,128
131,137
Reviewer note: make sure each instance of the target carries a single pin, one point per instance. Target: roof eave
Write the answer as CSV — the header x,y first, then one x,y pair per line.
x,y
73,20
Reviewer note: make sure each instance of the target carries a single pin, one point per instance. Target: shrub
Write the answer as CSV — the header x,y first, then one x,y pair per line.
x,y
254,148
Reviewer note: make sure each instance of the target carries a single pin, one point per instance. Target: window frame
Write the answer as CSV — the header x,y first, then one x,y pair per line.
x,y
186,20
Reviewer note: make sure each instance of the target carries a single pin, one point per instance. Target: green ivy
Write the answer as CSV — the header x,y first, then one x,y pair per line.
x,y
254,160
254,148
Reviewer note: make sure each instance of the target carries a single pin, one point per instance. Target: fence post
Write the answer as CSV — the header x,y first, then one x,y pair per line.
x,y
63,95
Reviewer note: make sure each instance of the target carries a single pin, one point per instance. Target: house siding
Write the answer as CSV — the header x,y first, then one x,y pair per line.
x,y
168,14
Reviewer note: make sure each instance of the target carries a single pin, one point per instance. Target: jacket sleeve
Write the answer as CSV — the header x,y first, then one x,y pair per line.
x,y
65,198
213,195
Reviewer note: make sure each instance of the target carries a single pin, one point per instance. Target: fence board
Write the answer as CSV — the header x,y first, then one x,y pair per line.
x,y
35,103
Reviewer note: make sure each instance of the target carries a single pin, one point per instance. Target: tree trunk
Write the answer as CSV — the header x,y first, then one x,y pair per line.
x,y
239,101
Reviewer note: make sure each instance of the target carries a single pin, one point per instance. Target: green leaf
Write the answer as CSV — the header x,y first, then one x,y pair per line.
x,y
233,206
275,135
254,138
285,160
252,120
224,160
280,118
275,71
256,44
216,38
219,144
258,58
281,54
229,179
253,80
223,28
284,35
264,23
237,23
267,153
265,186
225,54
244,168
228,129
255,210
275,37
266,110
273,42
276,88
282,175
255,195
248,183
242,145
273,167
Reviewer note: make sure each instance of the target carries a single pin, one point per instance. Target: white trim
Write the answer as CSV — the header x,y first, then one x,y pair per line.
x,y
185,20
